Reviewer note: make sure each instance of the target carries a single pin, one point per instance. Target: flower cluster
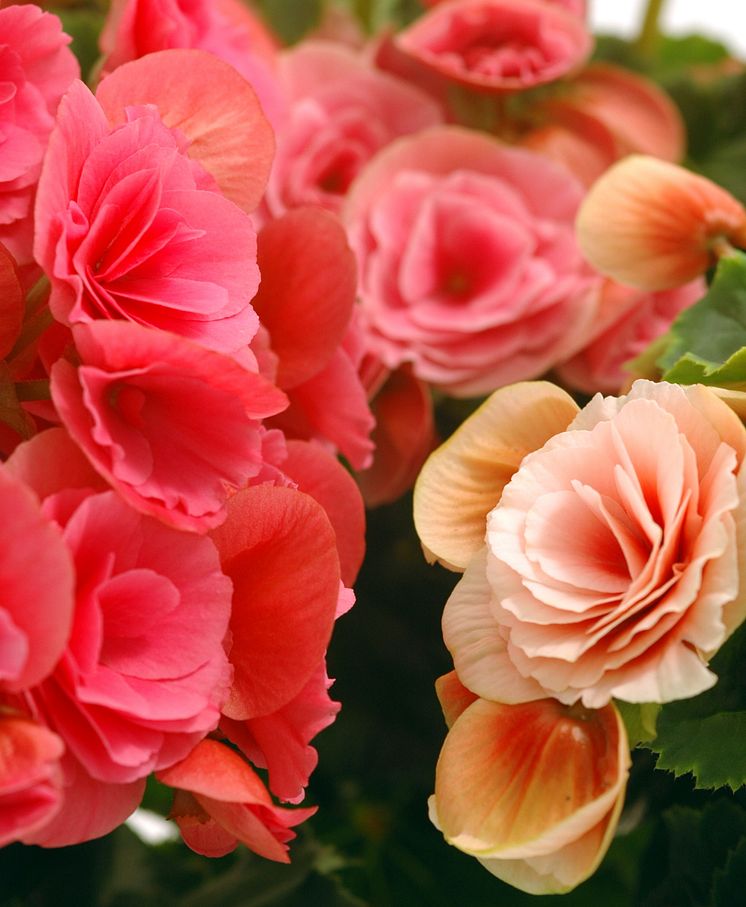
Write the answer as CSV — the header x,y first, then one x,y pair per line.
x,y
180,536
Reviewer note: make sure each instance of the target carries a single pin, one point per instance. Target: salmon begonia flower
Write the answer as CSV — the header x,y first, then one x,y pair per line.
x,y
654,225
130,226
602,548
534,791
468,266
36,68
498,45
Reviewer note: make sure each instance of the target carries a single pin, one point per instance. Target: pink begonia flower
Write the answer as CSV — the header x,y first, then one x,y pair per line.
x,y
306,302
574,6
90,808
173,426
341,112
403,437
225,28
280,741
36,68
498,45
220,801
30,776
654,225
628,322
614,542
534,791
468,265
129,227
144,672
284,606
36,606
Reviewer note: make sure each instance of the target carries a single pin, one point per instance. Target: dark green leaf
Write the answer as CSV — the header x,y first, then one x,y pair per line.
x,y
291,19
640,720
730,882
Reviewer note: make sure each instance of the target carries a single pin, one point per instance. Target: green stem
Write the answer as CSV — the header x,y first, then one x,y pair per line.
x,y
647,40
32,329
37,296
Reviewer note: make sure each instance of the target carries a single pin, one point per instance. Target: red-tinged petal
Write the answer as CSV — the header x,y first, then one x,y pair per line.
x,y
36,607
11,310
279,549
211,104
453,696
51,462
214,770
464,478
90,809
404,435
652,225
307,290
199,831
322,476
523,781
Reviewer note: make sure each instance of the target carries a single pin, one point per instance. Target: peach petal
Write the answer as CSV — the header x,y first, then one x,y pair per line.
x,y
652,224
453,696
476,644
522,781
464,478
211,104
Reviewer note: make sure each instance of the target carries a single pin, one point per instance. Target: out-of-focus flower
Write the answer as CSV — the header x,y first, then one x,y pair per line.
x,y
124,403
534,791
221,801
468,266
613,542
498,45
129,226
30,777
654,225
36,68
225,28
341,112
628,321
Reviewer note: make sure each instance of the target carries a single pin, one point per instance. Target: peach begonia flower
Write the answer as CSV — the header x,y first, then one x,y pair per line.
x,y
225,28
30,777
628,321
36,68
533,790
468,265
602,548
654,225
498,45
131,222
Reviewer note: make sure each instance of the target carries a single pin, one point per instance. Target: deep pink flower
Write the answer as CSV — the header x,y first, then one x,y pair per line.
x,y
30,777
171,425
628,321
220,800
226,28
129,227
341,111
36,68
498,45
468,264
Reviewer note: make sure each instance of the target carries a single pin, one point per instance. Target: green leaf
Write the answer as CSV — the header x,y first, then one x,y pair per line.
x,y
289,19
639,719
705,735
730,881
713,329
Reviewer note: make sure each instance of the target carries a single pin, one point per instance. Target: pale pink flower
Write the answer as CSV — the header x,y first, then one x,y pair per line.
x,y
173,426
130,227
498,45
534,791
221,801
654,225
468,265
36,68
30,776
225,28
628,321
614,542
341,112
